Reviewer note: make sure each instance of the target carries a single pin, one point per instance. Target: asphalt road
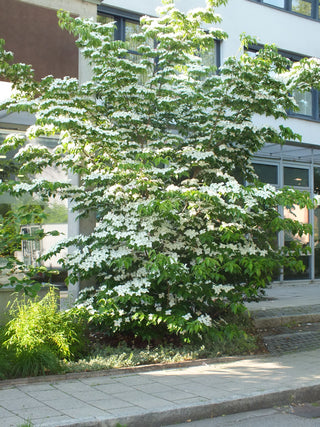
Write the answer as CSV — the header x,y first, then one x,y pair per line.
x,y
303,415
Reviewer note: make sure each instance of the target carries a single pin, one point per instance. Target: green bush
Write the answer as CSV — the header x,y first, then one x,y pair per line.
x,y
38,337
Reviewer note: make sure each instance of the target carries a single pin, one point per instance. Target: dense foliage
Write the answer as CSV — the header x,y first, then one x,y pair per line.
x,y
163,144
38,337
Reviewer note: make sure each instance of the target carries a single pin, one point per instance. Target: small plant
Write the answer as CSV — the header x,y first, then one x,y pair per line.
x,y
38,337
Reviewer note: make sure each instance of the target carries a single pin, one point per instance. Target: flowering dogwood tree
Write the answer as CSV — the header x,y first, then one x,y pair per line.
x,y
163,144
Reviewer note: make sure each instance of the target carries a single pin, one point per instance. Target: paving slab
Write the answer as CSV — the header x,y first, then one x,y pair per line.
x,y
165,396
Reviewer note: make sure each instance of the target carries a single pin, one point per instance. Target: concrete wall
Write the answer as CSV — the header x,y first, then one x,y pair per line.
x,y
84,8
33,34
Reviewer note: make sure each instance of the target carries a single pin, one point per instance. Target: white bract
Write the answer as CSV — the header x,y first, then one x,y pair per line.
x,y
162,146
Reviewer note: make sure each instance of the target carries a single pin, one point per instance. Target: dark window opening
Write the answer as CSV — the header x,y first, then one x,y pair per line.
x,y
266,173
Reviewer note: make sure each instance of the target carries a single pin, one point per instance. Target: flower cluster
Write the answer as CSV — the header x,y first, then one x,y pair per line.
x,y
157,144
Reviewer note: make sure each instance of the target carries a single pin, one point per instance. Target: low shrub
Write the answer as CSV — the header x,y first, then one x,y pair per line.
x,y
38,337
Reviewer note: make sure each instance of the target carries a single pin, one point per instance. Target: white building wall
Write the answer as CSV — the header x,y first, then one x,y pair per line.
x,y
290,32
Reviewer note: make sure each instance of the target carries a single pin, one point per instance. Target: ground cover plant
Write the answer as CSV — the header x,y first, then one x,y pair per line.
x,y
163,144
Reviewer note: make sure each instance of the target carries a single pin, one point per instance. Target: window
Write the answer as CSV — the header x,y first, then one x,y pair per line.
x,y
308,102
296,177
266,173
55,209
299,167
308,8
128,23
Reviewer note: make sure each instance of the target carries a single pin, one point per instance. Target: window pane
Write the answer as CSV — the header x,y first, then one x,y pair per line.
x,y
316,236
302,215
209,58
302,6
104,19
299,275
317,262
279,3
304,101
266,173
56,209
298,214
316,180
132,28
296,177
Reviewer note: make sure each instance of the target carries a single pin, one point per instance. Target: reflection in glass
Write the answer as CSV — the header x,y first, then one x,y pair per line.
x,y
302,215
279,3
317,263
302,6
299,275
296,177
208,57
297,214
316,237
56,209
266,173
316,180
304,101
132,28
104,19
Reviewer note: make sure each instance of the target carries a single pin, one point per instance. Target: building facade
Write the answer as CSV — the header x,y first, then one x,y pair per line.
x,y
293,25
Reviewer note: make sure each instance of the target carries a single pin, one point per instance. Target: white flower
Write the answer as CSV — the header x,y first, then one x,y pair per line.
x,y
187,316
117,322
205,319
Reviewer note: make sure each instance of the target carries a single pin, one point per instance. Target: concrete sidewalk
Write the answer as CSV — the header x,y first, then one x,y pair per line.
x,y
163,396
150,397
